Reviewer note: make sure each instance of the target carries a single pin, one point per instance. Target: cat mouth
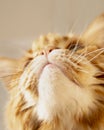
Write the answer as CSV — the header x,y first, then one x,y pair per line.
x,y
49,66
61,67
53,66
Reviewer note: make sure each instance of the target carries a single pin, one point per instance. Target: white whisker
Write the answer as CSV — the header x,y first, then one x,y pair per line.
x,y
71,30
76,66
81,56
74,48
85,71
8,75
86,54
101,49
14,81
96,56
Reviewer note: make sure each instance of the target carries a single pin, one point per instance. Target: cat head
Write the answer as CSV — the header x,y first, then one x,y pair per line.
x,y
59,75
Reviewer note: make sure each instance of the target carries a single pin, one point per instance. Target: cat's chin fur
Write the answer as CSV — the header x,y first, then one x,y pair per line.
x,y
60,99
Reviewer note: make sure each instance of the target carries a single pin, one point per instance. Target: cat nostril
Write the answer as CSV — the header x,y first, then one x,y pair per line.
x,y
50,50
47,50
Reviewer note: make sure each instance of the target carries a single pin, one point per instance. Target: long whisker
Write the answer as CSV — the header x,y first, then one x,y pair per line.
x,y
86,54
101,49
3,70
13,81
85,71
77,43
81,56
75,47
77,66
94,40
71,30
5,76
96,56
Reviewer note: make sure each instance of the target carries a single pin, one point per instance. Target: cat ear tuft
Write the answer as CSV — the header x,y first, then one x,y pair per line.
x,y
95,32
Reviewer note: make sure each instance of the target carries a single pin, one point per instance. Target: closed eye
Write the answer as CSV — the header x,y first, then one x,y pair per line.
x,y
75,46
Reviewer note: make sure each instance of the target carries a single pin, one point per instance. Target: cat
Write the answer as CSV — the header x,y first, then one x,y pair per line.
x,y
59,83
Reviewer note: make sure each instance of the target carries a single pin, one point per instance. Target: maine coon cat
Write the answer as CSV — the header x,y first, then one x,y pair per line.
x,y
59,83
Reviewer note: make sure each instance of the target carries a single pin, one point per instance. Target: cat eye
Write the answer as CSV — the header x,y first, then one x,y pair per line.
x,y
75,46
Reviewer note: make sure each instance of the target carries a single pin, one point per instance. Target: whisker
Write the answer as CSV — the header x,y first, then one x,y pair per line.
x,y
85,71
101,49
85,55
74,50
77,66
75,47
81,56
77,43
4,76
71,28
72,63
3,70
13,81
94,40
96,56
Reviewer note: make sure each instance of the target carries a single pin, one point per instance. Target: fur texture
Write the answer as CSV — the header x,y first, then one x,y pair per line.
x,y
59,84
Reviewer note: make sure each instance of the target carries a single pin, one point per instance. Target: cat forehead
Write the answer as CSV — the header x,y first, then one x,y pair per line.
x,y
53,40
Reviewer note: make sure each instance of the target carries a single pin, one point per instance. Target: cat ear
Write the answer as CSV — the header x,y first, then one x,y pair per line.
x,y
95,32
7,69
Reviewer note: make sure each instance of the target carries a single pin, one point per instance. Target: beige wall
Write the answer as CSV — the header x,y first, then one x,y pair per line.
x,y
23,20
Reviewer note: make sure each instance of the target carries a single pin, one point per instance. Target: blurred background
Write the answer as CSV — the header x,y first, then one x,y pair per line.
x,y
21,21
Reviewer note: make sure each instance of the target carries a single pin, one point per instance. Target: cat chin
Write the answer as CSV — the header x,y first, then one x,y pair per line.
x,y
52,69
58,95
52,86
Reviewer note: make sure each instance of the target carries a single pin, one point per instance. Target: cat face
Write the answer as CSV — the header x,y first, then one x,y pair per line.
x,y
61,78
